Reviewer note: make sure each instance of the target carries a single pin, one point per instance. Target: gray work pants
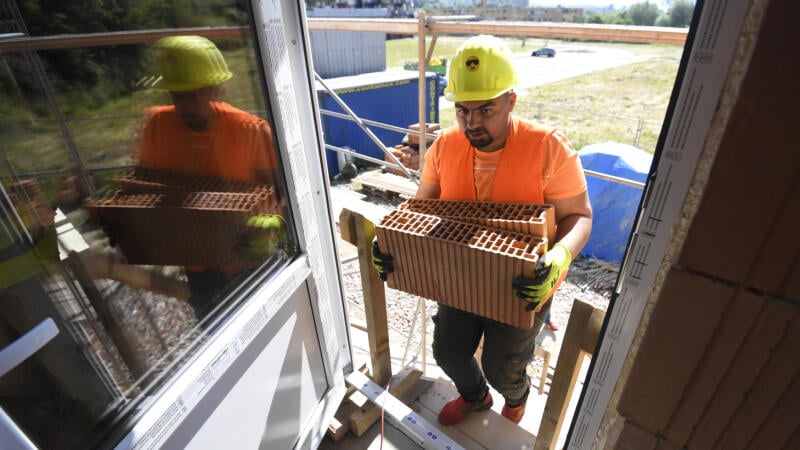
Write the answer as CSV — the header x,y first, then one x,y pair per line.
x,y
507,350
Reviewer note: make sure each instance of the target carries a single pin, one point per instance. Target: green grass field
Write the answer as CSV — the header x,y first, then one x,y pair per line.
x,y
623,104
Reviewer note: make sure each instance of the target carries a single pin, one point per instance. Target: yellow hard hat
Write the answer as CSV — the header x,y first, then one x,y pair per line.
x,y
188,63
481,70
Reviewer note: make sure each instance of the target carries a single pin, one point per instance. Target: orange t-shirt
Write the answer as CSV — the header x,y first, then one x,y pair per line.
x,y
237,146
537,163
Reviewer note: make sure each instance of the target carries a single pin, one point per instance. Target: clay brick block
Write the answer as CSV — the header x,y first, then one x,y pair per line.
x,y
537,220
464,265
763,184
666,361
413,138
780,430
633,437
407,156
722,350
757,357
776,377
150,180
168,218
192,228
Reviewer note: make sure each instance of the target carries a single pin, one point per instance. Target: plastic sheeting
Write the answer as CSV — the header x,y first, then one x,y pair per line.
x,y
614,205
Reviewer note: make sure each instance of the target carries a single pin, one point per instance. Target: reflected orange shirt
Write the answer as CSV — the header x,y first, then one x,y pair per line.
x,y
237,146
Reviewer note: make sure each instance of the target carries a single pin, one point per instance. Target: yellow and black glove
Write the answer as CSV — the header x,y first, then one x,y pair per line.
x,y
550,272
383,263
265,234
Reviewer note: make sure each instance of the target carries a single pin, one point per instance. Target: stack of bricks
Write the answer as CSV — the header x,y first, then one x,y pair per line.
x,y
30,204
466,254
408,152
407,156
168,218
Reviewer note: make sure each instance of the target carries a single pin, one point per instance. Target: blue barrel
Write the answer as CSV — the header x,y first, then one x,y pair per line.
x,y
614,205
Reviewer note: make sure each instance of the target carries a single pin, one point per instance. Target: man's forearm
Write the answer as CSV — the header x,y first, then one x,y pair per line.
x,y
573,232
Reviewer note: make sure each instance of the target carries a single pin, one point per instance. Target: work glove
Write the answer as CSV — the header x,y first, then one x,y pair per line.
x,y
550,272
265,233
383,263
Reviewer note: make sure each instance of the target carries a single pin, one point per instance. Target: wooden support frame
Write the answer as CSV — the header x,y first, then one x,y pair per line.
x,y
580,339
359,231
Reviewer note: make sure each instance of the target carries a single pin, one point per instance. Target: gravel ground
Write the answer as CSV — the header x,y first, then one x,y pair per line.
x,y
592,281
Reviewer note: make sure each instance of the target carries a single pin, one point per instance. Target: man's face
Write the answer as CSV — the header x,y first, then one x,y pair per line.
x,y
194,108
486,123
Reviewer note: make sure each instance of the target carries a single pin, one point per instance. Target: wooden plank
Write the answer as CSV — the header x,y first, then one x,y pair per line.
x,y
359,231
376,179
352,402
580,337
414,425
545,355
617,33
106,265
126,348
481,430
364,417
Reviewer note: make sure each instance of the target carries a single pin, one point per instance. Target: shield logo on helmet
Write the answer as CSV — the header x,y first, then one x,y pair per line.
x,y
473,63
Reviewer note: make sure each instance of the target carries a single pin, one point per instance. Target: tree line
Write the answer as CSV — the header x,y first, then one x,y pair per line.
x,y
96,73
679,14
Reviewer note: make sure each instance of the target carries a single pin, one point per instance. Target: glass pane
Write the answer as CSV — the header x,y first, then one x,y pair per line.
x,y
141,197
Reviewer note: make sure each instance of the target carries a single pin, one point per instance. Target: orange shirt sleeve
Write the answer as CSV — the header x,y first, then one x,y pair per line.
x,y
562,174
430,172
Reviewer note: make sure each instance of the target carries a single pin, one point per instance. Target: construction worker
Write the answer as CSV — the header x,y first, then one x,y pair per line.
x,y
491,155
202,135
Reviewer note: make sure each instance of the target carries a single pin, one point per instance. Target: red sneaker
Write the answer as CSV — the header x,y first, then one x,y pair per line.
x,y
515,413
457,410
552,326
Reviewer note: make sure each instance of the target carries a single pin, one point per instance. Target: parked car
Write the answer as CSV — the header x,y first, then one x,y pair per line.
x,y
545,52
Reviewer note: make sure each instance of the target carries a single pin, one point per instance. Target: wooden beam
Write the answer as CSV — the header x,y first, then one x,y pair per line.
x,y
361,420
614,33
359,231
352,402
106,265
100,304
580,338
392,26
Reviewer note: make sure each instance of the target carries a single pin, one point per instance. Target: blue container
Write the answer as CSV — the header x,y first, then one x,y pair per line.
x,y
389,97
614,205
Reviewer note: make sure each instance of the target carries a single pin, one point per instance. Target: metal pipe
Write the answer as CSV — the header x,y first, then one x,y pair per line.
x,y
620,180
373,123
364,128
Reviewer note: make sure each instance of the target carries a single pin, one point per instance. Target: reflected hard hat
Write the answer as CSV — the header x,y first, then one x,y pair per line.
x,y
481,70
188,63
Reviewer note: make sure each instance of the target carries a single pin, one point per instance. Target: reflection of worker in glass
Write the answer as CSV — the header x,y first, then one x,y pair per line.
x,y
201,135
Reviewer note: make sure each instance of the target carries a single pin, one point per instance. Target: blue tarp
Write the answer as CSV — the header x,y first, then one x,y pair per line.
x,y
614,205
